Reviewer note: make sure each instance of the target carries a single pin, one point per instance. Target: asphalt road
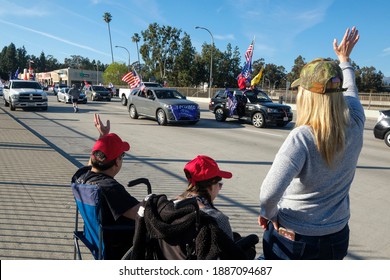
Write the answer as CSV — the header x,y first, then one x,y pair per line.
x,y
160,153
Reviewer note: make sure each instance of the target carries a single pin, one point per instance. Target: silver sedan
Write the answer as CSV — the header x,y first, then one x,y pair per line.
x,y
63,96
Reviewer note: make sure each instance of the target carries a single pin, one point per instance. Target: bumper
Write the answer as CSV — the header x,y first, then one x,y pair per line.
x,y
380,131
279,118
23,104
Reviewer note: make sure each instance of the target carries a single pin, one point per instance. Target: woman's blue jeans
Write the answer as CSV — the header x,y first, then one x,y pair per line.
x,y
328,247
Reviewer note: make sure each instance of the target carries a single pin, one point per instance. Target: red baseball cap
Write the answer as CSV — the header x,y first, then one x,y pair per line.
x,y
111,145
204,168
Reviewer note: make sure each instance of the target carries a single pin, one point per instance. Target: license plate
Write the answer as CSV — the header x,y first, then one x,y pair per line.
x,y
285,118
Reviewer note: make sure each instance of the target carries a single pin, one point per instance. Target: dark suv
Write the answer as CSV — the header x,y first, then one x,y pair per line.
x,y
254,106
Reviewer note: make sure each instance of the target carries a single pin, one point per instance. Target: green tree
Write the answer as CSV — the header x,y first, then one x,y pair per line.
x,y
51,63
199,69
371,80
107,18
161,47
299,62
114,73
183,66
226,66
9,62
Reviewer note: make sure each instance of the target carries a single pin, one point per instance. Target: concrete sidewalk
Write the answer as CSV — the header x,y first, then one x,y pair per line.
x,y
36,204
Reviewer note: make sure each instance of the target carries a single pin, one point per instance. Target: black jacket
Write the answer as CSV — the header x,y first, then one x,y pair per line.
x,y
161,227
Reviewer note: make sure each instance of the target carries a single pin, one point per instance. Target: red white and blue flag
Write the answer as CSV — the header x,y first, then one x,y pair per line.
x,y
246,72
132,79
249,53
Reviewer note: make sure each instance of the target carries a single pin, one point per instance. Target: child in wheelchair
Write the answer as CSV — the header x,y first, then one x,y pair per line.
x,y
190,227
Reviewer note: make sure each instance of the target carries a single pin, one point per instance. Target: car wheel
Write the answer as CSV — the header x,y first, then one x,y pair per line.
x,y
124,100
133,112
12,106
161,117
387,138
6,104
220,115
258,120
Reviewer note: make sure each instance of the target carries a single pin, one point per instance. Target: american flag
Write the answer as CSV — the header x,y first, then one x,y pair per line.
x,y
132,79
249,53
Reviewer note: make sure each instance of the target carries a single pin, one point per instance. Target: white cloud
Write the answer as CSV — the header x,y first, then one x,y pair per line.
x,y
226,37
53,37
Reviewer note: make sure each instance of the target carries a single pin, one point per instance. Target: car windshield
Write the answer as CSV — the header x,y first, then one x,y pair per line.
x,y
260,97
168,94
99,88
26,85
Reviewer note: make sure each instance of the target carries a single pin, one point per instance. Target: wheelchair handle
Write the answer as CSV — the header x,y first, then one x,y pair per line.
x,y
138,181
187,201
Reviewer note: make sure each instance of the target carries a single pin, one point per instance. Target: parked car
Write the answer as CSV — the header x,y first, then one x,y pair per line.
x,y
382,127
164,105
63,96
249,106
97,92
58,87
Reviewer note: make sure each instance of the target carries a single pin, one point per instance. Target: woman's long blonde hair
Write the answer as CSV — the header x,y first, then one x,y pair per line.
x,y
327,115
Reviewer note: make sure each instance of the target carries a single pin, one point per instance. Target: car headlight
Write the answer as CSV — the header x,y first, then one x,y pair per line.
x,y
44,95
169,107
272,110
14,96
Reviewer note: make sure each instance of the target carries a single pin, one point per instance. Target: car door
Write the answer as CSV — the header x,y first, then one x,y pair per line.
x,y
139,101
150,103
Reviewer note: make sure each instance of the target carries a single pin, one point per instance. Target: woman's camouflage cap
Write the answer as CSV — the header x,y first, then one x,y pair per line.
x,y
320,76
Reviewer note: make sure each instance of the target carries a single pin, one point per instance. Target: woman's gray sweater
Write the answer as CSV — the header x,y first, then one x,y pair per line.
x,y
301,191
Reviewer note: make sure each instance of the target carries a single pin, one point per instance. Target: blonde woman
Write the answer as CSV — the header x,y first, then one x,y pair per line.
x,y
304,198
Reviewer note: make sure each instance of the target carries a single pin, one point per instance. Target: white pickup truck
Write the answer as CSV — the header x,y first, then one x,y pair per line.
x,y
124,93
24,94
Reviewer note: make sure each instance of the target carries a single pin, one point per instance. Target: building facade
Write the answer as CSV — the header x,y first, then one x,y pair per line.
x,y
69,76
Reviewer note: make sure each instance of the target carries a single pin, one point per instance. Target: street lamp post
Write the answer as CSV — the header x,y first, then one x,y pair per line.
x,y
128,67
211,58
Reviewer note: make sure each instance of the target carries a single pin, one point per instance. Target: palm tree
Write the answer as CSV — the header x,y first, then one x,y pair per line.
x,y
107,18
135,40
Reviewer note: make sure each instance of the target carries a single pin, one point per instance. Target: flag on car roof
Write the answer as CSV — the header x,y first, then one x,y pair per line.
x,y
132,79
16,76
257,78
249,53
246,72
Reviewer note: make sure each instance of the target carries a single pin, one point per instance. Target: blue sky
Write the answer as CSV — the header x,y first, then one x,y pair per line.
x,y
283,29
